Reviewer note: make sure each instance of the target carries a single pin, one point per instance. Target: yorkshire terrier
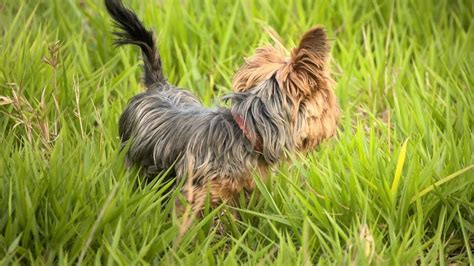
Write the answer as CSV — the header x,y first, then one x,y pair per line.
x,y
280,104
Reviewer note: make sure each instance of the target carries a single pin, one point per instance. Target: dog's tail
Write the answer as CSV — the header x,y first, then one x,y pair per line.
x,y
132,31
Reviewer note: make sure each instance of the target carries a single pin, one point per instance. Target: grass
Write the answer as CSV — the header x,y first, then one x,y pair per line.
x,y
395,186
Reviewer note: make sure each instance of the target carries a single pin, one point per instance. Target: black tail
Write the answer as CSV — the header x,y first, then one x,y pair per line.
x,y
132,31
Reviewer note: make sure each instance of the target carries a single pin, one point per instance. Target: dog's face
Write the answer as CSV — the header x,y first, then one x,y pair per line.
x,y
304,80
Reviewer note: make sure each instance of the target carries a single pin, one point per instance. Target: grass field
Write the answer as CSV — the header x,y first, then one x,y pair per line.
x,y
396,185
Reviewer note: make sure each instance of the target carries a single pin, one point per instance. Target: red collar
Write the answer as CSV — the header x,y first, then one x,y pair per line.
x,y
256,141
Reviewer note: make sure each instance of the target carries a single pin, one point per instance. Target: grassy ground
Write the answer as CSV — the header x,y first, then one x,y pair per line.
x,y
395,186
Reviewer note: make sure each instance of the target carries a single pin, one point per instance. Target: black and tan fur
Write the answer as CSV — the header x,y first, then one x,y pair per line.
x,y
280,104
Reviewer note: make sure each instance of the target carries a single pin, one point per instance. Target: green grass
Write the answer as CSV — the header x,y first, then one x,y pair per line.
x,y
396,185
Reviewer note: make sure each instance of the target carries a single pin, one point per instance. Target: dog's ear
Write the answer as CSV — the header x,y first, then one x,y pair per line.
x,y
313,47
306,69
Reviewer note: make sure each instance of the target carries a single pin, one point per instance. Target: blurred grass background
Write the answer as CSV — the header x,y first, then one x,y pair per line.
x,y
394,186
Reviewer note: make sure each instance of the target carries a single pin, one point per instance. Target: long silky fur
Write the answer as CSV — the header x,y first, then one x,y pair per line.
x,y
166,123
167,127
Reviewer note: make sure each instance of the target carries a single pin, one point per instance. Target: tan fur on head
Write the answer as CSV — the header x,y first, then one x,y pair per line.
x,y
304,78
261,66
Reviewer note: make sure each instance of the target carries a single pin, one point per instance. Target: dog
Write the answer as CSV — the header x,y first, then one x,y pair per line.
x,y
280,104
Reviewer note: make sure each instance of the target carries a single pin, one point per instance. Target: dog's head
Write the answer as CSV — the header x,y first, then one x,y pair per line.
x,y
304,83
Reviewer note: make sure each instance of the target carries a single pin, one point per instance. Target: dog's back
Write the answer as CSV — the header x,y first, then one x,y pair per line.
x,y
164,122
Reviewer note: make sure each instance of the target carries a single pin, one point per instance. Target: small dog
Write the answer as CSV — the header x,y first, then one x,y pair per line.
x,y
280,104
